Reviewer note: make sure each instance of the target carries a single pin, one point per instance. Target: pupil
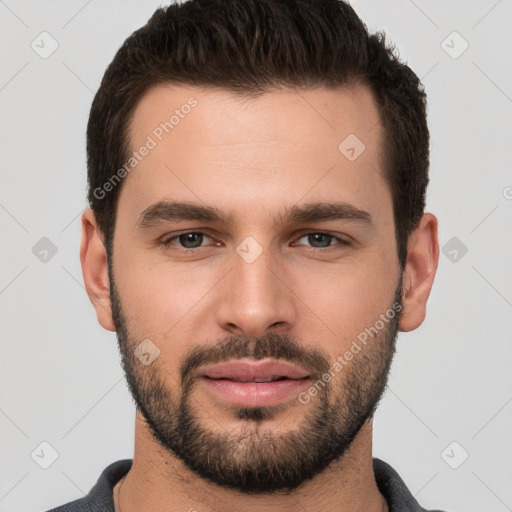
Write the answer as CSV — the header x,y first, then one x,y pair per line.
x,y
318,237
189,237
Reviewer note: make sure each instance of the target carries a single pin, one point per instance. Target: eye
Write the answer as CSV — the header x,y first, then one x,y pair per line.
x,y
189,241
320,240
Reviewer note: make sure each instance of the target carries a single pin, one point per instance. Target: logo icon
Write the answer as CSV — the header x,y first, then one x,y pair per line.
x,y
146,352
44,45
454,455
44,250
249,249
454,249
44,455
352,147
454,45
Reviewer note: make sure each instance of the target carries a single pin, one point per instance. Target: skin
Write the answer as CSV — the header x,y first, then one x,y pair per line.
x,y
220,155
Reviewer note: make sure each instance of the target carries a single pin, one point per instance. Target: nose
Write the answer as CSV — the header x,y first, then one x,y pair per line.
x,y
255,297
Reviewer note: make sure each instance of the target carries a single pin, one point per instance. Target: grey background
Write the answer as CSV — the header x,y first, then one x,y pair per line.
x,y
61,380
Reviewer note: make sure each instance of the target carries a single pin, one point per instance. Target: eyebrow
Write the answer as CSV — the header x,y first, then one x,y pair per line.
x,y
171,211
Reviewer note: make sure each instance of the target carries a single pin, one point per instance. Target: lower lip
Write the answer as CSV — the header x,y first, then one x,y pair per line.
x,y
254,394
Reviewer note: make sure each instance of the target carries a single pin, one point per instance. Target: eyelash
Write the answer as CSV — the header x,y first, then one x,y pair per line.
x,y
165,244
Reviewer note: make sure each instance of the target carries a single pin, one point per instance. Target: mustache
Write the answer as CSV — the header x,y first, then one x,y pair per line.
x,y
272,345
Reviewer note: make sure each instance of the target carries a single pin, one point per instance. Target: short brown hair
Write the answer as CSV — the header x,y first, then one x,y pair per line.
x,y
248,47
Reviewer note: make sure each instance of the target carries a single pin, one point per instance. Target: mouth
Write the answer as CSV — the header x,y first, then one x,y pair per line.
x,y
246,382
256,379
248,370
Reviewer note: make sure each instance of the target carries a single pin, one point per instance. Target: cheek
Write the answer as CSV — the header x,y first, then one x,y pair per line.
x,y
158,297
348,298
346,305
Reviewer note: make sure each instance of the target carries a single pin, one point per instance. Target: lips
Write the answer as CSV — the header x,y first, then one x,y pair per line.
x,y
252,383
254,371
254,394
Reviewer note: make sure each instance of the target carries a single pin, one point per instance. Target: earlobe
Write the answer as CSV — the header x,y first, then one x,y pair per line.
x,y
93,257
419,272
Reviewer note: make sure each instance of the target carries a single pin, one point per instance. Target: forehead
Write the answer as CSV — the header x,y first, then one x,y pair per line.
x,y
260,118
206,143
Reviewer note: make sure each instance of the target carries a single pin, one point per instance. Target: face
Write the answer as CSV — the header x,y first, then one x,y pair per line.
x,y
254,280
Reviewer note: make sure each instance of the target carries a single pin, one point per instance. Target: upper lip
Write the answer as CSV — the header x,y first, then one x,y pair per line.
x,y
250,370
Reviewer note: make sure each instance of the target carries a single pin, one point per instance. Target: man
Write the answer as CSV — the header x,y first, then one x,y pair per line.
x,y
257,237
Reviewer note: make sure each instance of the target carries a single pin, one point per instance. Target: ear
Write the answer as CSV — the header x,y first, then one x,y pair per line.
x,y
420,270
93,257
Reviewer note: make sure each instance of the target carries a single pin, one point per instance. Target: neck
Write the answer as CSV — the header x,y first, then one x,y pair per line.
x,y
159,482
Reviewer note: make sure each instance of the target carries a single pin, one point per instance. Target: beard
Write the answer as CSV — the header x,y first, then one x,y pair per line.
x,y
255,459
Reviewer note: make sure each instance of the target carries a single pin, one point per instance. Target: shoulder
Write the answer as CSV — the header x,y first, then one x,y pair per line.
x,y
100,496
393,488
